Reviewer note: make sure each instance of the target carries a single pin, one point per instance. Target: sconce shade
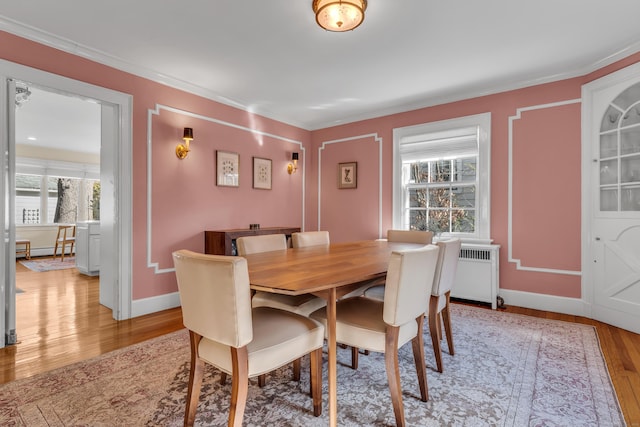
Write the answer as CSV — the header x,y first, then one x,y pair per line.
x,y
293,167
182,150
339,15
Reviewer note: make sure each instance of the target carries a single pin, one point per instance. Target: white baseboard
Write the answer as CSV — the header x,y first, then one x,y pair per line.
x,y
140,307
572,306
556,304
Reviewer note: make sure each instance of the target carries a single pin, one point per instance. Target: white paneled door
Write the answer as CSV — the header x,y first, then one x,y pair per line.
x,y
611,189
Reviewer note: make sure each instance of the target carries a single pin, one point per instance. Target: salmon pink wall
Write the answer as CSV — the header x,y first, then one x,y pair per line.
x,y
185,197
536,130
184,200
336,204
545,138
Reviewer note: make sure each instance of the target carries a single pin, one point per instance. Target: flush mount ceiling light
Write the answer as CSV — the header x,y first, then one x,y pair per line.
x,y
22,95
339,15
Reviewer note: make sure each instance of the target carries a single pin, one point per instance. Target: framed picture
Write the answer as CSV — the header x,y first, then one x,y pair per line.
x,y
262,173
227,168
348,175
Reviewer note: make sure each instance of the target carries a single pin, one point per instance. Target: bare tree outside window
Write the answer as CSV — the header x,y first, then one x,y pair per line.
x,y
442,195
67,202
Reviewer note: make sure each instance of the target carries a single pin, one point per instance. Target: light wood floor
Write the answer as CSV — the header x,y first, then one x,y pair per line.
x,y
59,322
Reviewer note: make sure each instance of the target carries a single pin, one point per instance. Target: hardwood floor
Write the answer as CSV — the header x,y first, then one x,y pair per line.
x,y
59,322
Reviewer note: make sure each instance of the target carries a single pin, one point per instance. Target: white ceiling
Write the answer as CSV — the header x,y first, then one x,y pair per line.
x,y
270,57
51,120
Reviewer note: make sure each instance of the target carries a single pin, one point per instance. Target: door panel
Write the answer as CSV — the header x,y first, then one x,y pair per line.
x,y
612,168
617,290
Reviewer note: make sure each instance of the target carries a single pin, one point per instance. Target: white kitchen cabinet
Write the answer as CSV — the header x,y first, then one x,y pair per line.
x,y
88,247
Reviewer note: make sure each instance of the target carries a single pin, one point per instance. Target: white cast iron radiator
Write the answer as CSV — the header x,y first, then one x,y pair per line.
x,y
477,278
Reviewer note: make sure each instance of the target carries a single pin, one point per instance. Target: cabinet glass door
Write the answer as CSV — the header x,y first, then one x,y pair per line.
x,y
620,153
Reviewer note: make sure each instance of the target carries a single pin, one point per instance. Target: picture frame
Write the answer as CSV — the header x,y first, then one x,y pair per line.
x,y
348,175
227,169
262,173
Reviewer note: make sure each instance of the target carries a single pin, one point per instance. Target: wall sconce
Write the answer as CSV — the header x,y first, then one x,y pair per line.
x,y
183,149
293,167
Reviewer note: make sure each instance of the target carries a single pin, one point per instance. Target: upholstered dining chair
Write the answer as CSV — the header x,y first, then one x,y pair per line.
x,y
66,236
304,239
299,304
375,289
439,303
385,326
227,333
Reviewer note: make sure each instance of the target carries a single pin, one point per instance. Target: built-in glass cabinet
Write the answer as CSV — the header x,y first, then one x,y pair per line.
x,y
620,153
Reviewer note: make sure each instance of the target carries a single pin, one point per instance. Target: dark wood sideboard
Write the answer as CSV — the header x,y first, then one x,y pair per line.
x,y
223,242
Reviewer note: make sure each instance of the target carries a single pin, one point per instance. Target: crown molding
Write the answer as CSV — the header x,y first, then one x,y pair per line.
x,y
66,45
63,44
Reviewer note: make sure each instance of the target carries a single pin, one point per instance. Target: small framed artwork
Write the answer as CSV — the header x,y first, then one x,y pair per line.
x,y
227,168
348,175
262,173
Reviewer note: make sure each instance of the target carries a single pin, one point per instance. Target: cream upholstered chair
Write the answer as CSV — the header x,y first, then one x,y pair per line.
x,y
300,304
263,243
310,238
227,333
410,236
376,290
66,236
440,296
385,326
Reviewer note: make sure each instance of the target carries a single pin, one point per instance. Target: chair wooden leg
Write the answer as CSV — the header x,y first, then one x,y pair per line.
x,y
354,357
418,357
446,317
223,378
433,329
55,249
297,364
239,385
195,380
62,254
262,380
316,381
393,372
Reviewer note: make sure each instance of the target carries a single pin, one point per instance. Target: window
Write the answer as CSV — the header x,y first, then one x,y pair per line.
x,y
441,177
50,192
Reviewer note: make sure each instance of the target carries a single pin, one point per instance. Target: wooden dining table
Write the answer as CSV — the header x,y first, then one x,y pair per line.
x,y
326,271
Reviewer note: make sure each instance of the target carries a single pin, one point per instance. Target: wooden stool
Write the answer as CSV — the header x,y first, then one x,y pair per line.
x,y
27,248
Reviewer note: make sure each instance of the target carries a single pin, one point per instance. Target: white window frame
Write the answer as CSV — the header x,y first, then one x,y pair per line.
x,y
441,128
54,168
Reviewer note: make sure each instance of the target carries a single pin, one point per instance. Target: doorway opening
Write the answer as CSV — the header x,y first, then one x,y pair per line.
x,y
115,178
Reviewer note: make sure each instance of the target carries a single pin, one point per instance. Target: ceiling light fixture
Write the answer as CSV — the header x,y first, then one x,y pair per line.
x,y
22,95
339,15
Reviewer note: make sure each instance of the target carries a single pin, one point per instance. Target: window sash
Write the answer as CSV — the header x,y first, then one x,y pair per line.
x,y
466,135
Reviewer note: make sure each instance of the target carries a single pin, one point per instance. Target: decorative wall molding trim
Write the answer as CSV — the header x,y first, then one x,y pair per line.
x,y
155,112
378,139
518,262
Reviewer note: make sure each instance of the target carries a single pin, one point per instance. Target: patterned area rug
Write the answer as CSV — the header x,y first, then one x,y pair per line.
x,y
50,264
509,370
